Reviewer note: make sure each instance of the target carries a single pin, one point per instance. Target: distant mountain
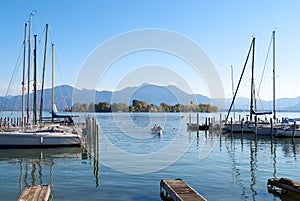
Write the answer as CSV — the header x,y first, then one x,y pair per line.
x,y
282,104
288,104
67,95
157,94
62,98
152,94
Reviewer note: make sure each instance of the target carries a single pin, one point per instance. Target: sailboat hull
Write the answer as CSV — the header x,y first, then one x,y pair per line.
x,y
287,133
237,128
45,139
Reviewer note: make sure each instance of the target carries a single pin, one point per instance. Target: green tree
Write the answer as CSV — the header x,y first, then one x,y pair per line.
x,y
131,108
103,107
119,107
165,107
77,107
139,106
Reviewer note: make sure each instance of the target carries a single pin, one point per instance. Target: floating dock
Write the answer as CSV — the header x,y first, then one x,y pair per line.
x,y
35,193
286,184
179,190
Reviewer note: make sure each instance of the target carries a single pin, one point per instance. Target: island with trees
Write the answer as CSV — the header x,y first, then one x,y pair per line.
x,y
141,106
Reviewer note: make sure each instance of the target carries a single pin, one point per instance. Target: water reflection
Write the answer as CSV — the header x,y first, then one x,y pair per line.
x,y
236,174
258,155
36,165
91,152
253,167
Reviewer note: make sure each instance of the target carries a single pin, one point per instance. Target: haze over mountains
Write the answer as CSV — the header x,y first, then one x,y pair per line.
x,y
67,95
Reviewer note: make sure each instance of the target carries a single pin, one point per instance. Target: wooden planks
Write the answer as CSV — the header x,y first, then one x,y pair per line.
x,y
35,193
180,190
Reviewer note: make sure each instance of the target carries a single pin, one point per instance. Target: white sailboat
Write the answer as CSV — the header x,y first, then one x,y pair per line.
x,y
290,128
287,132
41,138
244,126
268,129
260,127
42,134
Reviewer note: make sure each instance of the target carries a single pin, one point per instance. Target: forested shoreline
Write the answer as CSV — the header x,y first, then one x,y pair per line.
x,y
141,106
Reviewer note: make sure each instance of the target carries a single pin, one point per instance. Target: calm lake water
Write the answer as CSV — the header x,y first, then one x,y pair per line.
x,y
129,162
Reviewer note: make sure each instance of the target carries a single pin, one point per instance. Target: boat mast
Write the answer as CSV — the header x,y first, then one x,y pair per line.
x,y
252,80
23,81
34,82
232,87
238,85
28,76
274,97
52,104
43,78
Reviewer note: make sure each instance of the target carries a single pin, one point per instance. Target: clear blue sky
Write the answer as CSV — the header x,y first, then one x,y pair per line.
x,y
223,29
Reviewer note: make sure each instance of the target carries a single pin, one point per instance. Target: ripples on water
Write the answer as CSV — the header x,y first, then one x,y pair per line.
x,y
131,162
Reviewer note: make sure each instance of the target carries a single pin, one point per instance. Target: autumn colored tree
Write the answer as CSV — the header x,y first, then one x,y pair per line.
x,y
141,106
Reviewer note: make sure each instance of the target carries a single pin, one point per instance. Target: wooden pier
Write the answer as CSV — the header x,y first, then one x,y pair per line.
x,y
179,190
286,184
35,193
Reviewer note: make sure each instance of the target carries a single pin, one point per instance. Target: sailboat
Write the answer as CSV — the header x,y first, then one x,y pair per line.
x,y
268,129
42,134
240,126
250,126
289,128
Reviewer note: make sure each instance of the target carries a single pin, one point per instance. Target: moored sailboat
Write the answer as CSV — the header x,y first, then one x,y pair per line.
x,y
39,134
258,127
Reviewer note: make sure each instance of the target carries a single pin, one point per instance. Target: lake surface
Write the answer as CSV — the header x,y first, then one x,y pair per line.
x,y
128,162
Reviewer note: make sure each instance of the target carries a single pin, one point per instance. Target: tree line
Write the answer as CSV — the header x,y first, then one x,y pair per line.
x,y
141,106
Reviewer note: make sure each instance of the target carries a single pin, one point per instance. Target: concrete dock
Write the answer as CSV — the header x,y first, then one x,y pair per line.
x,y
180,190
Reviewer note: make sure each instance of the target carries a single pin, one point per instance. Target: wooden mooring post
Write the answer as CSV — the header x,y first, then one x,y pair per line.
x,y
93,144
242,127
255,126
221,125
272,131
231,122
294,129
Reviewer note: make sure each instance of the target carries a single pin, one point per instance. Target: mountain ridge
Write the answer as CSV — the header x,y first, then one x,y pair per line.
x,y
66,96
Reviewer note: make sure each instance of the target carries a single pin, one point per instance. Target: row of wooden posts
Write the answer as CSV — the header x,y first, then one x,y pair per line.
x,y
11,121
93,144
